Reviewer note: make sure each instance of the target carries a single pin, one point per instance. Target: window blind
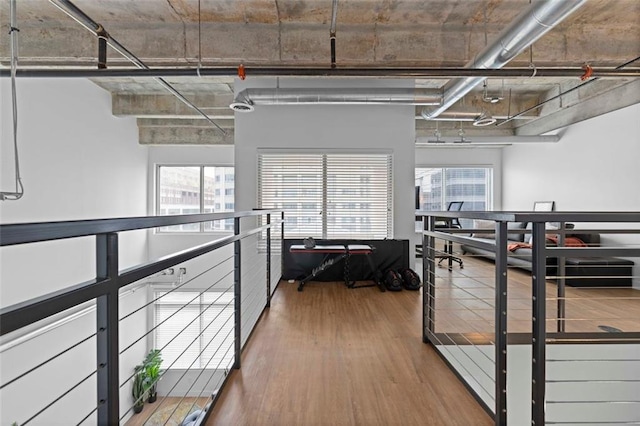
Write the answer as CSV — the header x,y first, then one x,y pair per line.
x,y
329,195
211,319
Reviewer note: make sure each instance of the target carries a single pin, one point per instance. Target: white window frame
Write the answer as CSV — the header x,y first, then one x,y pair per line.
x,y
157,197
489,182
325,185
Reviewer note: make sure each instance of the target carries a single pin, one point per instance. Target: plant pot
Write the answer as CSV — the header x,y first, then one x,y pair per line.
x,y
153,397
138,408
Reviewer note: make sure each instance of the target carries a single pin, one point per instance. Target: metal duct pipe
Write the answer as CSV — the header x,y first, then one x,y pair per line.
x,y
246,99
458,115
98,30
528,27
479,118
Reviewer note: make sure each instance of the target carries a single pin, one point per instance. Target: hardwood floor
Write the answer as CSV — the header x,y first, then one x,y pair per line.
x,y
465,301
336,356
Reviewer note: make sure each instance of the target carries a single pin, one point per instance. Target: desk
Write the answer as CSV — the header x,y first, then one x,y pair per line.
x,y
333,254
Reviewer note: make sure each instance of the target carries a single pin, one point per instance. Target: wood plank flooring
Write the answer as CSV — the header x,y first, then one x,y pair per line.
x,y
336,356
465,303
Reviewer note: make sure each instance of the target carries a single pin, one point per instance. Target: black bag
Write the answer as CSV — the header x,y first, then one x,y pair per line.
x,y
392,280
410,279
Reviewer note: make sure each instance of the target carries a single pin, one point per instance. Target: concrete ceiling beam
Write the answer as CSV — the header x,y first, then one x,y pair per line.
x,y
184,136
182,122
600,103
425,33
308,44
166,105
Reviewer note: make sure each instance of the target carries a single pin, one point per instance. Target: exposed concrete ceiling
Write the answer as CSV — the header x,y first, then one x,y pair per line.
x,y
295,33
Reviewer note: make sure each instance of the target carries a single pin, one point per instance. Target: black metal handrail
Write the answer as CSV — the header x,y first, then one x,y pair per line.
x,y
22,233
538,338
104,289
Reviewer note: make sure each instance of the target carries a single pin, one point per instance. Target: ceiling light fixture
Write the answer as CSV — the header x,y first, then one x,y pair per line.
x,y
242,107
437,134
493,99
461,133
484,119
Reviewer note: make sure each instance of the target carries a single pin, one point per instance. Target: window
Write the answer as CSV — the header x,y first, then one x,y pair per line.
x,y
329,195
206,319
192,190
436,187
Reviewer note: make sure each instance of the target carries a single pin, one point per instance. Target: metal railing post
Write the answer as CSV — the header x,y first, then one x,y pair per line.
x,y
428,278
501,324
107,353
282,242
560,281
538,358
237,288
269,260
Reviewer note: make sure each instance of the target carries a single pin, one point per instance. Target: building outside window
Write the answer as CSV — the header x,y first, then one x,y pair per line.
x,y
437,187
193,190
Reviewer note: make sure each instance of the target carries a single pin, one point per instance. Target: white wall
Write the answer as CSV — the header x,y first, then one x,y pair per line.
x,y
594,167
77,162
338,127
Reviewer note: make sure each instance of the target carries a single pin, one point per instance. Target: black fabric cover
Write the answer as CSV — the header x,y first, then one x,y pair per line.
x,y
388,254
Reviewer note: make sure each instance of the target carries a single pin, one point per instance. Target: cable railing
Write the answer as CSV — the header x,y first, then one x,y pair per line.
x,y
83,353
548,302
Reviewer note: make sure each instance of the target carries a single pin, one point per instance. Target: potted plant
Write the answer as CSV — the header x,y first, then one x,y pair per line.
x,y
152,364
139,390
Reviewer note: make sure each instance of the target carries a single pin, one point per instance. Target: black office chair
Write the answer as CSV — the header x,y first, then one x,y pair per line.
x,y
453,206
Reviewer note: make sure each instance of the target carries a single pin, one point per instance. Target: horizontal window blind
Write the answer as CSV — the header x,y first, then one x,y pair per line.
x,y
211,319
329,195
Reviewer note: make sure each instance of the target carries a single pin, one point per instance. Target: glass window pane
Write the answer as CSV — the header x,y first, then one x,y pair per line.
x,y
329,195
358,196
437,187
179,193
219,189
293,183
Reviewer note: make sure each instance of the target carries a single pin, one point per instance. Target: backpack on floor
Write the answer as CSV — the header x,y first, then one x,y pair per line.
x,y
392,280
410,279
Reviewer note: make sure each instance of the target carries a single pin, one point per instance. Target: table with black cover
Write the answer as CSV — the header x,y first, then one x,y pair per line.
x,y
387,254
332,255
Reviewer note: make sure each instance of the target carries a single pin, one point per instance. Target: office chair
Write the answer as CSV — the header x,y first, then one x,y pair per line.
x,y
453,206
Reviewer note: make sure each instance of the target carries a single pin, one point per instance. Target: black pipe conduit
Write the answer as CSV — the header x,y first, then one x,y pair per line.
x,y
324,72
332,32
98,30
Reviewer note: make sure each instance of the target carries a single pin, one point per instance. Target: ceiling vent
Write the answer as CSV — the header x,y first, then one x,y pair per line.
x,y
242,107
